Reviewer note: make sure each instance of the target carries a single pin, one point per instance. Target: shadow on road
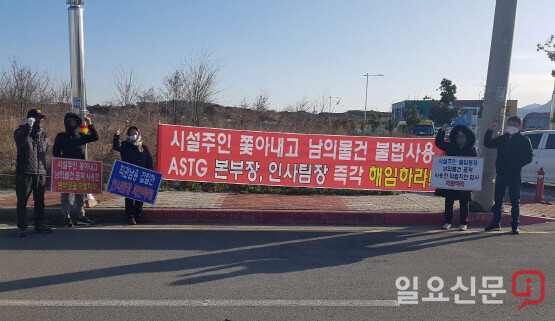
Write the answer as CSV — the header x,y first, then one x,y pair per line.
x,y
226,254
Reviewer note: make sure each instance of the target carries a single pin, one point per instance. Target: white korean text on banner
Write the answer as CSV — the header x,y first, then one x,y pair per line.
x,y
302,160
458,173
134,182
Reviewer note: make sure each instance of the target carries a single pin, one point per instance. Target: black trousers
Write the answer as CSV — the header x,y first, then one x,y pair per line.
x,y
24,185
449,210
133,208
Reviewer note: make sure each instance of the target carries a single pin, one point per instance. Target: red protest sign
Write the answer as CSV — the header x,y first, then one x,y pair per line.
x,y
284,159
76,176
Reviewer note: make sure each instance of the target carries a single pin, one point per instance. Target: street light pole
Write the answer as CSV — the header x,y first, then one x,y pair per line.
x,y
366,97
77,57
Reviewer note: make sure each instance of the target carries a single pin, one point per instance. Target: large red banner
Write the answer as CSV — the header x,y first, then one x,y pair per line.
x,y
284,159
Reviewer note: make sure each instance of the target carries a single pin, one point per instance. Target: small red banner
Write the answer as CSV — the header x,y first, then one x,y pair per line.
x,y
76,176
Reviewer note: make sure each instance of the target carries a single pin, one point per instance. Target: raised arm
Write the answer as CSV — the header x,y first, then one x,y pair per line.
x,y
21,135
93,134
440,139
488,141
116,143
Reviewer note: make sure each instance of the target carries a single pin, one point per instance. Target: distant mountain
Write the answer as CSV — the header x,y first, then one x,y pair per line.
x,y
534,108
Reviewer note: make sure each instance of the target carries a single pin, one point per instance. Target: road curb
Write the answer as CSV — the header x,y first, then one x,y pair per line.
x,y
53,216
178,215
181,215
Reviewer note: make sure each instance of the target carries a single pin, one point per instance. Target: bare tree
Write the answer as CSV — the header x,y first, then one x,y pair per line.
x,y
22,88
202,72
320,103
63,92
148,97
175,91
302,105
127,87
262,102
148,103
191,86
244,103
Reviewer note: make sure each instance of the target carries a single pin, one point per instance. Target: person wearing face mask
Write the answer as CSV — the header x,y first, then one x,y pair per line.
x,y
32,145
72,144
461,143
514,151
133,151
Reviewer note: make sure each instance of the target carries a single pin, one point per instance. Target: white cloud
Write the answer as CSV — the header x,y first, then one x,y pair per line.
x,y
531,88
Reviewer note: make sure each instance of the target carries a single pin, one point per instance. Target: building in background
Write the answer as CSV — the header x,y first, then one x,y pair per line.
x,y
398,109
470,109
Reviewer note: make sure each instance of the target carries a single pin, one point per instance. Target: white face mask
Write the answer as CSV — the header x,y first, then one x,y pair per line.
x,y
133,137
511,130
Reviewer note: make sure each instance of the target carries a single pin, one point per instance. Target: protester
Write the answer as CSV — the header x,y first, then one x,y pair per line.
x,y
135,152
72,144
514,151
461,143
32,145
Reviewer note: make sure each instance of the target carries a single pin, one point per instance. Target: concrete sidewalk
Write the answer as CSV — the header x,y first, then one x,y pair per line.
x,y
187,207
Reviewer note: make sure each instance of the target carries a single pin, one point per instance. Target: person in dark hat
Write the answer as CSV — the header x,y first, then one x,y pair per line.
x,y
133,151
32,145
71,144
461,143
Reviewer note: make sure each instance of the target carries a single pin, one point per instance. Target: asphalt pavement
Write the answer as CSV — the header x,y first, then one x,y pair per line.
x,y
269,272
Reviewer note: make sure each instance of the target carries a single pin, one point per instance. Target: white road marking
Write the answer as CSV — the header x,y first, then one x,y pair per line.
x,y
198,303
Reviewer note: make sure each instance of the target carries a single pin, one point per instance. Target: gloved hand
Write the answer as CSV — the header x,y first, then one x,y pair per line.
x,y
31,121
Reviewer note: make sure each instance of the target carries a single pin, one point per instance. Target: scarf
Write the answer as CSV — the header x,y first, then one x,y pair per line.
x,y
137,142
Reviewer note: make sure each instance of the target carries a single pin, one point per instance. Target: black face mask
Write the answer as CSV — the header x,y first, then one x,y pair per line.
x,y
71,129
36,129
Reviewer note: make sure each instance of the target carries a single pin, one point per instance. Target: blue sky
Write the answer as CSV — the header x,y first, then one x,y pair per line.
x,y
290,49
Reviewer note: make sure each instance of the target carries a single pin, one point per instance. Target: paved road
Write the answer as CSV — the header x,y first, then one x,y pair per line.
x,y
263,273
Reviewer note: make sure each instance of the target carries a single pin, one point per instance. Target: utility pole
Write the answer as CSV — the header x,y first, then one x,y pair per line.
x,y
366,97
496,91
77,56
329,115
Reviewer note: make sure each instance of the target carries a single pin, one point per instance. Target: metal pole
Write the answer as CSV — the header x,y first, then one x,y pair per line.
x,y
496,91
77,56
366,97
365,100
552,111
329,115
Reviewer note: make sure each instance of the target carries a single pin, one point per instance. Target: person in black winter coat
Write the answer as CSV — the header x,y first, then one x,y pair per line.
x,y
514,151
32,145
133,151
71,144
461,143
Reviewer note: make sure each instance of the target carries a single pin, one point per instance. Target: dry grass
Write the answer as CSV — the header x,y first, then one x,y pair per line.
x,y
107,120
